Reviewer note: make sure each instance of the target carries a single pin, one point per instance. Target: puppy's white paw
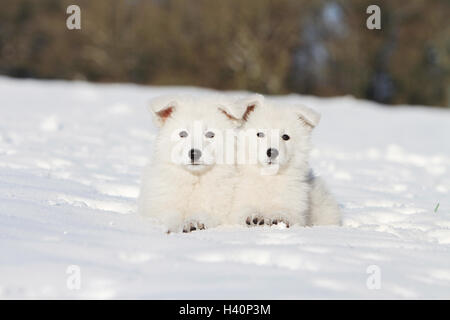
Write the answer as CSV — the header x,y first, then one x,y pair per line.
x,y
280,220
193,225
256,220
259,220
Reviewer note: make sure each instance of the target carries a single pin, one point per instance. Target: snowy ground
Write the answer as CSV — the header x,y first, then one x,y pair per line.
x,y
71,155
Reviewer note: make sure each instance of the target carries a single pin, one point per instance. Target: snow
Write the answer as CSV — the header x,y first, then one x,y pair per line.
x,y
71,155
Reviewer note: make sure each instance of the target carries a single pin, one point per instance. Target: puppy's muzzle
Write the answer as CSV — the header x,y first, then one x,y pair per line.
x,y
195,154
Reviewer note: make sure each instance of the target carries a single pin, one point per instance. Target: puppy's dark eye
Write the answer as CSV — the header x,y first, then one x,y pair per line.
x,y
285,137
209,134
183,134
260,135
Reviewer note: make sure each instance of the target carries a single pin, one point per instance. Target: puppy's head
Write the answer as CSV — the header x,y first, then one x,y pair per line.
x,y
277,135
192,130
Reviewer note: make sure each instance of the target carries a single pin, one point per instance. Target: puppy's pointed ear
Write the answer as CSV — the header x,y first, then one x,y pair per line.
x,y
242,108
307,116
162,108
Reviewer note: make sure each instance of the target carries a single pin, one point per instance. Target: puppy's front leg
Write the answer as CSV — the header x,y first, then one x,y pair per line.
x,y
193,225
260,220
196,221
257,220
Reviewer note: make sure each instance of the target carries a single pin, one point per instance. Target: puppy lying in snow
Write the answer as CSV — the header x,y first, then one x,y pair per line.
x,y
275,182
189,184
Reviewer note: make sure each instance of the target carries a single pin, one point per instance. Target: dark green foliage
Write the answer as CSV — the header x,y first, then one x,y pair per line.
x,y
271,46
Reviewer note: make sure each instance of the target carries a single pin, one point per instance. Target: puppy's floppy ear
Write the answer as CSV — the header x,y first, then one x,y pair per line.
x,y
162,108
308,116
242,108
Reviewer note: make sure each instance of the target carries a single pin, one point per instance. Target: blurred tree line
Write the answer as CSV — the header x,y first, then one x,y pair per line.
x,y
318,47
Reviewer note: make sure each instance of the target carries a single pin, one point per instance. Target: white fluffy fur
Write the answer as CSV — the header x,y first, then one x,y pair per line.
x,y
182,196
289,193
324,209
185,196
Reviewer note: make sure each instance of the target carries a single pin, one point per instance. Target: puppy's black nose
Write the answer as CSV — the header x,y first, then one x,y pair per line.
x,y
195,154
272,153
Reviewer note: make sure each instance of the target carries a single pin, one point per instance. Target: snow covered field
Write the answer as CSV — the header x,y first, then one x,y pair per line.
x,y
71,155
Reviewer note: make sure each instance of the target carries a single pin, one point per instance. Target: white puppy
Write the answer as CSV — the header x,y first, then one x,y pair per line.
x,y
323,208
189,183
275,181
